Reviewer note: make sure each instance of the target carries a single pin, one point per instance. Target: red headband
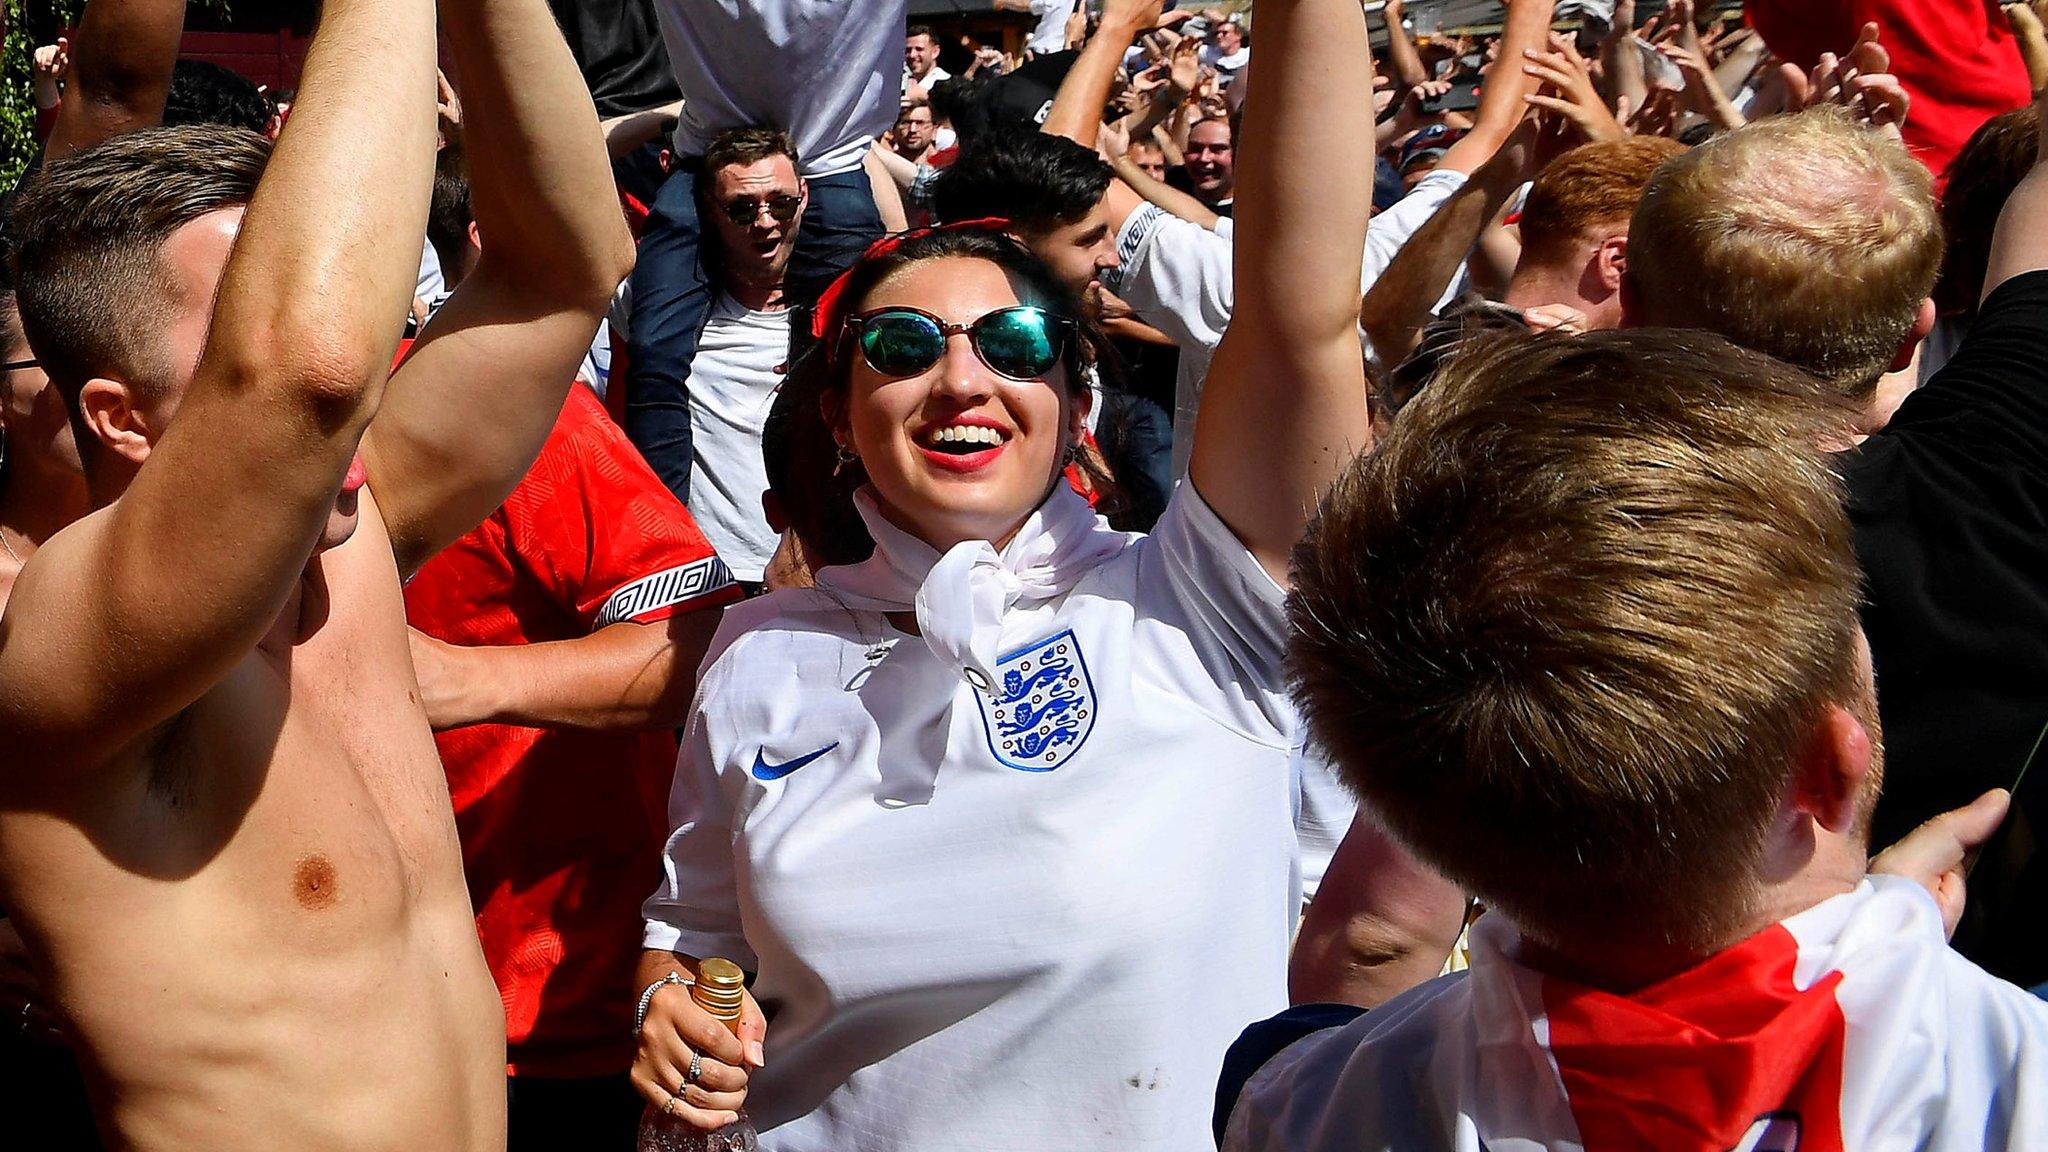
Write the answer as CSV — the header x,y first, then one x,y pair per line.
x,y
829,314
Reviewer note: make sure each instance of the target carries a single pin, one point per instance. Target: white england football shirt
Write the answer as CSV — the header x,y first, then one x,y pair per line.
x,y
732,387
1031,918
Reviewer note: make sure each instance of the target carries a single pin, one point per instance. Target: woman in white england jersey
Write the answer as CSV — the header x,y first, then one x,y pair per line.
x,y
1001,815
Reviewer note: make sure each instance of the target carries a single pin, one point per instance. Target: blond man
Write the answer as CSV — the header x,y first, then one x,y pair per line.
x,y
1813,238
1583,634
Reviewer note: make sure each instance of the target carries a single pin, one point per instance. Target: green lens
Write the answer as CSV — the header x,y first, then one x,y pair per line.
x,y
1021,343
901,343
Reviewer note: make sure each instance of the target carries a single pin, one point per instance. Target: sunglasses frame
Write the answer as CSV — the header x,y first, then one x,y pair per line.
x,y
1063,325
18,365
731,209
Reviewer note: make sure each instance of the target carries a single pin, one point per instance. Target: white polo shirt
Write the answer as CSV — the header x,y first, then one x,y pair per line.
x,y
732,387
824,71
1031,918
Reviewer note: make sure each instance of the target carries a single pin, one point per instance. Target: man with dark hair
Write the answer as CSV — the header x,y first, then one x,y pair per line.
x,y
1582,632
1050,189
915,135
921,60
214,732
825,74
757,204
203,92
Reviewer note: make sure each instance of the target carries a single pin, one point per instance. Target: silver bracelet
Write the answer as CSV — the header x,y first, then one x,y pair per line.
x,y
647,997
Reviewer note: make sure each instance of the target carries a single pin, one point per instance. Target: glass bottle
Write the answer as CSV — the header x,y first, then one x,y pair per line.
x,y
719,988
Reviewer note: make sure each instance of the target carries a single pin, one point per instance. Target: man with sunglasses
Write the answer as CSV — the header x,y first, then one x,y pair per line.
x,y
757,207
826,72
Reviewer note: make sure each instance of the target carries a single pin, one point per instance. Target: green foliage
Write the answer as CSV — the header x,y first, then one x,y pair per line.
x,y
17,98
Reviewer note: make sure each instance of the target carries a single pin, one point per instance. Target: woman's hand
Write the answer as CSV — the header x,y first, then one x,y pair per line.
x,y
678,1028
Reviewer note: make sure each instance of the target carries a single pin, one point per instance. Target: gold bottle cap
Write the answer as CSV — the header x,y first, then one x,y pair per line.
x,y
720,985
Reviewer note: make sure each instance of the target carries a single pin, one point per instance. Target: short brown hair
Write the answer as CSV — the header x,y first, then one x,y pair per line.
x,y
1565,632
88,238
1810,237
748,146
1590,188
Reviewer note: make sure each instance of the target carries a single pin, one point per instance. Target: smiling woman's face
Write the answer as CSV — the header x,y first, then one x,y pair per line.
x,y
957,452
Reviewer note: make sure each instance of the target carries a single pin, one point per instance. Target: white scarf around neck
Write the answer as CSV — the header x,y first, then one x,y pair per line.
x,y
960,598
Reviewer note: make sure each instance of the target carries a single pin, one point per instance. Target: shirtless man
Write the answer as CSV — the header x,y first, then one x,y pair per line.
x,y
224,831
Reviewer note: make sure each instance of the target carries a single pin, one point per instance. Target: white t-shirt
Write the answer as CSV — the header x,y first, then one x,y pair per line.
x,y
1051,946
1051,33
1850,1025
821,70
732,386
1229,64
1176,276
931,78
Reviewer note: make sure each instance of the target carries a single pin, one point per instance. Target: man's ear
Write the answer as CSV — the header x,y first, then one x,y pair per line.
x,y
1923,323
114,418
1610,262
1828,782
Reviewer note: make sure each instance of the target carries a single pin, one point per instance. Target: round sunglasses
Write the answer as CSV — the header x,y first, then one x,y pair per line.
x,y
1020,342
782,208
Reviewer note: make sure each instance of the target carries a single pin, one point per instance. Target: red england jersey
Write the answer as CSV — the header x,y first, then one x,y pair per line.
x,y
561,829
1957,58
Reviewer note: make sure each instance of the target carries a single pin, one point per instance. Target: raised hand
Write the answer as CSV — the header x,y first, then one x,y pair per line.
x,y
50,65
1569,91
1185,68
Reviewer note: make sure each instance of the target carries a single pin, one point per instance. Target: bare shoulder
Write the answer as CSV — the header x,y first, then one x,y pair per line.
x,y
45,621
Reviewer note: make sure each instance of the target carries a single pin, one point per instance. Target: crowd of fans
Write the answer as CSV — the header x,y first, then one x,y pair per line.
x,y
1480,592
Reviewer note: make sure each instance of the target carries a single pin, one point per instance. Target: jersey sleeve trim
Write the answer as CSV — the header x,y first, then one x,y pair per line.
x,y
657,595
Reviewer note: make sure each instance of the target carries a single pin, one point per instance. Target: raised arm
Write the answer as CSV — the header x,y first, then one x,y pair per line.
x,y
1284,407
121,60
1403,299
468,411
1503,101
1076,111
2019,244
1402,57
143,606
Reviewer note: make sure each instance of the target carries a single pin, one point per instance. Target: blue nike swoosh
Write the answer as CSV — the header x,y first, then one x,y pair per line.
x,y
766,771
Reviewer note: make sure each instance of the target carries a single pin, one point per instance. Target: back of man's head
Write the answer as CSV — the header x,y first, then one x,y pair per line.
x,y
1809,237
1567,631
1999,154
1035,181
205,93
1588,193
88,234
450,215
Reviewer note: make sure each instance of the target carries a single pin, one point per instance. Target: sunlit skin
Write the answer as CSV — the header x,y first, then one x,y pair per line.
x,y
756,254
890,423
1211,162
127,417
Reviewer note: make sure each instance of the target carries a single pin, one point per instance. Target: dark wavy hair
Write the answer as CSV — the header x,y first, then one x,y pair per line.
x,y
804,454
